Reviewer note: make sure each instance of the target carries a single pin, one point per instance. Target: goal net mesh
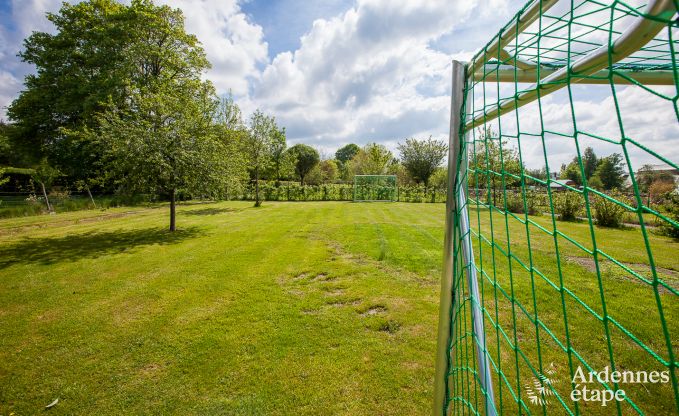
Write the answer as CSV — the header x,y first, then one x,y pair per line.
x,y
569,144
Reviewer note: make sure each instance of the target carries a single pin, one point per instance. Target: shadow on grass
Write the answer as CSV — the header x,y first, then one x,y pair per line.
x,y
211,211
93,244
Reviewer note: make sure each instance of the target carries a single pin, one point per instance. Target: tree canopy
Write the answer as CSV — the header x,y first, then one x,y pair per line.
x,y
306,158
161,139
346,153
422,157
372,159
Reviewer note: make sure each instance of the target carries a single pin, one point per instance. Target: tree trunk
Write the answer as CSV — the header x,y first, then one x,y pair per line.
x,y
257,203
301,180
173,226
87,188
47,201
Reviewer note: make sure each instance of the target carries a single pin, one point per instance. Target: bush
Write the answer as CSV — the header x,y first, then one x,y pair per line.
x,y
671,208
515,202
567,205
606,212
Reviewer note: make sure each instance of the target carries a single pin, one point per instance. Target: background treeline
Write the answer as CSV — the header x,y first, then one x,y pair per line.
x,y
119,106
119,111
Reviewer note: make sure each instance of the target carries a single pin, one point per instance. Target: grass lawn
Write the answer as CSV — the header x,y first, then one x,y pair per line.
x,y
292,308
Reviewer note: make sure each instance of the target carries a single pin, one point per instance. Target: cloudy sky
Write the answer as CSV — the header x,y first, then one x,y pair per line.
x,y
340,71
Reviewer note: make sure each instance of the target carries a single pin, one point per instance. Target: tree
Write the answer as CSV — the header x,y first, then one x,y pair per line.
x,y
161,139
84,64
422,157
329,170
278,146
611,171
589,162
571,171
372,159
491,160
306,158
346,153
231,131
539,173
45,175
259,146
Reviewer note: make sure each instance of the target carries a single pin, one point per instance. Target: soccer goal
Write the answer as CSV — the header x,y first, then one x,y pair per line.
x,y
374,188
548,280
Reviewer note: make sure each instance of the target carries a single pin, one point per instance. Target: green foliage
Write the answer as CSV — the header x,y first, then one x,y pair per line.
x,y
162,138
540,173
589,162
372,159
346,153
439,179
259,145
85,63
515,202
278,156
329,170
230,131
571,171
3,180
567,205
422,157
306,158
671,208
490,161
610,171
606,212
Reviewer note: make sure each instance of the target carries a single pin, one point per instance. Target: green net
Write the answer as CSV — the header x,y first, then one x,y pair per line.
x,y
375,188
568,174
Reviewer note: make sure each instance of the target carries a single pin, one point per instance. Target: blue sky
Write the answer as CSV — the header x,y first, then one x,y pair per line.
x,y
286,21
339,71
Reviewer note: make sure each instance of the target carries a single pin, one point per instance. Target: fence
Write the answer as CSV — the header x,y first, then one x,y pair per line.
x,y
529,306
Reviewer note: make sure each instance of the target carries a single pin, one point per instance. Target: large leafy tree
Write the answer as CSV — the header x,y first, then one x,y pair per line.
x,y
161,139
422,157
572,171
306,158
346,153
84,64
611,171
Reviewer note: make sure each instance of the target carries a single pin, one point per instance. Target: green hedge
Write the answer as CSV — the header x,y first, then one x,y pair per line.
x,y
268,191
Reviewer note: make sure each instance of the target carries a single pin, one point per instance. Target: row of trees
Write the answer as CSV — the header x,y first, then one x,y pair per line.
x,y
119,103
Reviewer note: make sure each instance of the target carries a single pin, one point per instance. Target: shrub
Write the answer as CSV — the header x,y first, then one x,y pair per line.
x,y
671,208
606,212
515,202
567,205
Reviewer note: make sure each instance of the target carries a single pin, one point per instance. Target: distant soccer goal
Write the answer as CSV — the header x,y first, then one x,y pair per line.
x,y
375,188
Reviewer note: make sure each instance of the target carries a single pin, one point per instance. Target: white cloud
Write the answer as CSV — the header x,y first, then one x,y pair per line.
x,y
368,74
233,44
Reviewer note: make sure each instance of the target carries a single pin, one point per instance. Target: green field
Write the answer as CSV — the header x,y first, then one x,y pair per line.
x,y
292,308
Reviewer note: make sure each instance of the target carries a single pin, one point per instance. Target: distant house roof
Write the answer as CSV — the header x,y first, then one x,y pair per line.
x,y
561,183
662,168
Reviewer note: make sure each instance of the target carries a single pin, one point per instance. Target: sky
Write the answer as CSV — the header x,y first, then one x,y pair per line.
x,y
340,71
